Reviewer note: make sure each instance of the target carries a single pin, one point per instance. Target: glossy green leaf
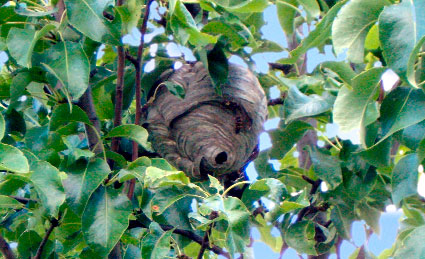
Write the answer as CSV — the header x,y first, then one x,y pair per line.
x,y
349,31
22,9
87,17
342,69
13,160
184,27
316,37
269,188
167,196
21,42
28,245
378,155
105,219
404,180
342,217
83,179
300,236
412,246
175,89
402,108
2,126
357,107
103,103
298,105
7,202
238,229
410,71
48,184
284,139
68,63
133,132
311,7
156,244
62,115
412,135
370,214
400,28
327,168
218,66
231,32
250,6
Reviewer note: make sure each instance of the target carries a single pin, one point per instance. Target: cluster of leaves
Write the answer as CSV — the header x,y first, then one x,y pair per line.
x,y
61,187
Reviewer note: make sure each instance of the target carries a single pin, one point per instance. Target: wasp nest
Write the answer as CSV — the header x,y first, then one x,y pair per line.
x,y
206,133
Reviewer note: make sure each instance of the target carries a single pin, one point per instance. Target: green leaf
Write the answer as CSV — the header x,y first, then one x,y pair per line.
x,y
300,236
167,196
342,216
270,188
378,155
156,244
105,219
87,17
22,9
83,179
175,89
342,69
103,103
410,71
133,132
298,105
48,184
326,167
401,26
227,30
2,126
352,24
250,6
184,27
9,203
29,242
13,160
68,63
17,88
316,37
21,42
370,215
284,139
311,7
218,66
412,135
404,180
412,246
402,108
62,115
357,107
238,230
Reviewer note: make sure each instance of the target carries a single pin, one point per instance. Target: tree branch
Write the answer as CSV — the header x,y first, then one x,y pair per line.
x,y
53,223
186,233
139,60
5,249
205,240
278,101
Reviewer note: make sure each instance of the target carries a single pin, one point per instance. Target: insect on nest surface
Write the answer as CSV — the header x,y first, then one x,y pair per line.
x,y
206,133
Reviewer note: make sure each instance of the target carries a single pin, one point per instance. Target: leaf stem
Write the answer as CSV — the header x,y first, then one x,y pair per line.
x,y
233,186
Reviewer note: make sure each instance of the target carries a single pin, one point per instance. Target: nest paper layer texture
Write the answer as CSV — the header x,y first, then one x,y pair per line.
x,y
205,133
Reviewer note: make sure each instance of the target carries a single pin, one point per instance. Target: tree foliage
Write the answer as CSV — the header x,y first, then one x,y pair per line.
x,y
79,176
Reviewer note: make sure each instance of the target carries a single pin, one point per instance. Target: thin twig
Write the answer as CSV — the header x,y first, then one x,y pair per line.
x,y
285,68
205,240
21,199
186,233
139,60
119,95
5,249
278,101
53,223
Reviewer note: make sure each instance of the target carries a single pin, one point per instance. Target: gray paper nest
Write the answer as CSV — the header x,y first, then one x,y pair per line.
x,y
205,133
